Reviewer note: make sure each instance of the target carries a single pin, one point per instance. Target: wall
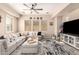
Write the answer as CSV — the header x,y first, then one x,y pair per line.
x,y
2,26
71,16
58,21
45,17
6,7
60,8
14,25
57,24
3,19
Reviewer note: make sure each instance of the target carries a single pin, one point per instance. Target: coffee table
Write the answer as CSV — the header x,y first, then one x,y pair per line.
x,y
30,47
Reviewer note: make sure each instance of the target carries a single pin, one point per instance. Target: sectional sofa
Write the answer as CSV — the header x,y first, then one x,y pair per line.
x,y
10,43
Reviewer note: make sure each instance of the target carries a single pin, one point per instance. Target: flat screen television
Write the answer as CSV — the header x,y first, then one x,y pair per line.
x,y
71,27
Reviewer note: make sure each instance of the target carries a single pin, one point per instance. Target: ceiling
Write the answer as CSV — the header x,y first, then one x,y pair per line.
x,y
48,8
71,7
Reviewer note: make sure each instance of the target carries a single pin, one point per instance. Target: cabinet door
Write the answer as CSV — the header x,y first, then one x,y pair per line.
x,y
66,38
71,40
77,40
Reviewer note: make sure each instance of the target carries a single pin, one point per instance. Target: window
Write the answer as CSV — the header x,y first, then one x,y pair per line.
x,y
8,23
27,25
36,25
43,25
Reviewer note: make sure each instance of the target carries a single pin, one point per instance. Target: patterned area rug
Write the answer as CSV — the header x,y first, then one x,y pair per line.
x,y
48,47
51,47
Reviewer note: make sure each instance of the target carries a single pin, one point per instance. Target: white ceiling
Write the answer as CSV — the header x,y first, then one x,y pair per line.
x,y
71,7
47,7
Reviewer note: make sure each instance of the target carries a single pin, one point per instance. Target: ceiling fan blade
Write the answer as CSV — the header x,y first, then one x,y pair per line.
x,y
38,9
34,5
26,5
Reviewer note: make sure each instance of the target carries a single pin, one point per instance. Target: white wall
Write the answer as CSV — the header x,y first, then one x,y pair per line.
x,y
14,25
5,9
64,18
59,9
3,24
57,24
71,16
8,9
45,17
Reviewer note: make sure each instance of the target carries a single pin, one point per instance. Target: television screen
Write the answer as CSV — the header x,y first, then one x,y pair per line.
x,y
71,27
39,33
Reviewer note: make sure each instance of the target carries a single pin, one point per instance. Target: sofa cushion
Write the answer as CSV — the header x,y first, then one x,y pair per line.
x,y
5,45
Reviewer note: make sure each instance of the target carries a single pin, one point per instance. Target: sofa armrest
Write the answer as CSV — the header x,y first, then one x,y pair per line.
x,y
2,49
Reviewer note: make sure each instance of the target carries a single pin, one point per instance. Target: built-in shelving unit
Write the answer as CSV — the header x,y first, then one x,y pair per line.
x,y
71,40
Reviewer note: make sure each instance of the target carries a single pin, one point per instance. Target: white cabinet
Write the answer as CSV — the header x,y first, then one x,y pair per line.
x,y
71,40
1,47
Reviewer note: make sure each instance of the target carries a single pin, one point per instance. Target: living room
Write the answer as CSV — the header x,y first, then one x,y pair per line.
x,y
35,28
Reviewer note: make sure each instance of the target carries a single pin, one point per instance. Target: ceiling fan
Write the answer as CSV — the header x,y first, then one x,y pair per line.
x,y
33,7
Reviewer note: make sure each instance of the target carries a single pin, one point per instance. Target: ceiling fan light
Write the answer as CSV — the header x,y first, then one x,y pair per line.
x,y
32,8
